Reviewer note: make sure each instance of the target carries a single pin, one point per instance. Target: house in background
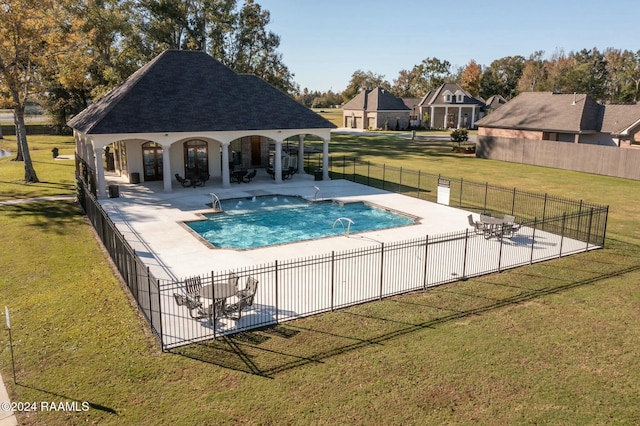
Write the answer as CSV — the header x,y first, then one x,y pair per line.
x,y
185,112
494,102
451,107
375,109
575,118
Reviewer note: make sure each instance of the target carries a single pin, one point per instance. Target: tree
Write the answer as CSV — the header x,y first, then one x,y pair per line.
x,y
360,81
27,38
533,74
501,77
470,78
237,38
407,84
433,73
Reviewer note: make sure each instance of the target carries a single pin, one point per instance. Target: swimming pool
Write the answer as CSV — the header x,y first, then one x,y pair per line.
x,y
272,220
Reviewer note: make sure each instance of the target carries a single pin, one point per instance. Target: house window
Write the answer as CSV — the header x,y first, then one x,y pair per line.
x,y
447,97
459,98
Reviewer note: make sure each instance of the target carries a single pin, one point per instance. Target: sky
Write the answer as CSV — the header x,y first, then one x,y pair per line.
x,y
323,42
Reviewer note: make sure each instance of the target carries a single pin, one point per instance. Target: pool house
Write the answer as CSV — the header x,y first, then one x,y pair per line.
x,y
186,114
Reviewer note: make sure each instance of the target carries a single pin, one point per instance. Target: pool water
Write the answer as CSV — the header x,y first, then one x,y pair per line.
x,y
272,220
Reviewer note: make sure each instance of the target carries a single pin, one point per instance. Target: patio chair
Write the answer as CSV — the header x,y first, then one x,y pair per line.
x,y
202,178
249,176
510,226
245,298
478,228
183,181
193,286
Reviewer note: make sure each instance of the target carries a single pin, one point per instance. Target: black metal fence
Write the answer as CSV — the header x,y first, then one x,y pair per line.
x,y
475,197
551,227
144,287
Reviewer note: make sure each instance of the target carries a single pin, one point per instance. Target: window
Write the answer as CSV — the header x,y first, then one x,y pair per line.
x,y
447,96
196,157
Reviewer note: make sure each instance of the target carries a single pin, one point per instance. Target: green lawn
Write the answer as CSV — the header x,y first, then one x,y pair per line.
x,y
552,343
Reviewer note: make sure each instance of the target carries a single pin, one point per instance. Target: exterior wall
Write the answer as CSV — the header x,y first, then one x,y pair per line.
x,y
588,158
509,133
353,119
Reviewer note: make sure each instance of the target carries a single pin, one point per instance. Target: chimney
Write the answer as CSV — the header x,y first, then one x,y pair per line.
x,y
574,98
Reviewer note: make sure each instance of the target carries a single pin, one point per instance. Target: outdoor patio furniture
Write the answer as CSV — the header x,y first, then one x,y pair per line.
x,y
249,176
191,299
245,298
219,292
238,175
477,226
183,181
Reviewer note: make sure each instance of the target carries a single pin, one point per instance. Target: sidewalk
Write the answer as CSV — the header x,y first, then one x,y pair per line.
x,y
7,418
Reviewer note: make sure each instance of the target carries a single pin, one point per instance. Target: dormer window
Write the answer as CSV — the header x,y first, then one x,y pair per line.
x,y
459,97
448,96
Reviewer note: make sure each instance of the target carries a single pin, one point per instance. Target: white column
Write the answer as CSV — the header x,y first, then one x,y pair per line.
x,y
446,117
325,159
226,182
301,155
277,162
102,189
431,122
459,117
166,168
473,117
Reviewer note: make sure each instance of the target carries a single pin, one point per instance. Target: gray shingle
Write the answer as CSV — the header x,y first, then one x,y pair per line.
x,y
187,91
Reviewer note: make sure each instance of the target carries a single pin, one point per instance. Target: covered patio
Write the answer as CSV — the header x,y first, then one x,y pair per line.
x,y
184,113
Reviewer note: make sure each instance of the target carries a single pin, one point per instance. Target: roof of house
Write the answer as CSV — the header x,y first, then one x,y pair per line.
x,y
189,91
437,96
494,102
411,103
377,99
546,111
619,118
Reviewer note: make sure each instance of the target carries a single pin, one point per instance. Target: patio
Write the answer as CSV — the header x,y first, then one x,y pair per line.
x,y
310,277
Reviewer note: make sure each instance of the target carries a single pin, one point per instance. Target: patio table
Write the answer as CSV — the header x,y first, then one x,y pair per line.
x,y
219,290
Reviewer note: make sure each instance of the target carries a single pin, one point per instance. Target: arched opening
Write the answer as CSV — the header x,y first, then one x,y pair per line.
x,y
152,159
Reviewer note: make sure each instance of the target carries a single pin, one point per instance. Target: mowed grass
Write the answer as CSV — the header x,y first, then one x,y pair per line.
x,y
551,343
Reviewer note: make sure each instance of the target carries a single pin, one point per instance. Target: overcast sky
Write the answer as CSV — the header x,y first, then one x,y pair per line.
x,y
324,42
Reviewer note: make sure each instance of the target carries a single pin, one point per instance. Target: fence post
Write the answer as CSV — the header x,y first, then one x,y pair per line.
x,y
500,255
544,209
381,267
160,313
604,231
368,171
418,184
460,201
513,201
564,217
344,165
400,183
426,253
486,193
464,258
333,273
589,229
579,220
353,179
277,290
533,239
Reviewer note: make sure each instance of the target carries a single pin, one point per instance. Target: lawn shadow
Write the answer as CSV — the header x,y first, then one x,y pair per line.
x,y
272,350
49,216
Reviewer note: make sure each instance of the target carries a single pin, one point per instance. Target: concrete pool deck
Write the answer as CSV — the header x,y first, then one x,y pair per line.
x,y
152,222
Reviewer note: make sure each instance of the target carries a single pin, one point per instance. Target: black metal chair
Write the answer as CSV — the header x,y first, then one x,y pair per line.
x,y
183,181
249,176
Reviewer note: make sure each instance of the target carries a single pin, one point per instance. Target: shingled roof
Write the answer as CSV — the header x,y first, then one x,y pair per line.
x,y
546,111
189,91
377,99
435,96
619,118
